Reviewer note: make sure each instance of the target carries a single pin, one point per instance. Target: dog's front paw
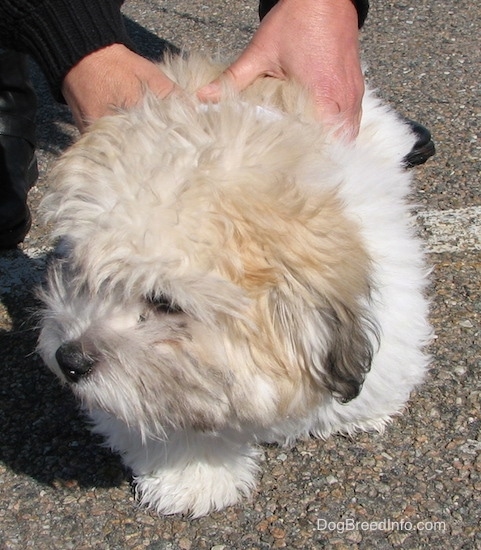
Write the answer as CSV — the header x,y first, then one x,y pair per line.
x,y
208,476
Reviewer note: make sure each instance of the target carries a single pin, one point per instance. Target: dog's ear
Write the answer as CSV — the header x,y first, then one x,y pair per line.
x,y
334,341
352,337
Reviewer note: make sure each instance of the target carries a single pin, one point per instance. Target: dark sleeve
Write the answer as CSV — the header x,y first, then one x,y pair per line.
x,y
59,33
362,7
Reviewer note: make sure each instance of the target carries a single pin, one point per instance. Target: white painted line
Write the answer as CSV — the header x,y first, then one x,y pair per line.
x,y
452,230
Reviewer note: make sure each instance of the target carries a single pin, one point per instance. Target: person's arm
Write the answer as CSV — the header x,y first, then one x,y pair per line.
x,y
58,33
315,42
84,51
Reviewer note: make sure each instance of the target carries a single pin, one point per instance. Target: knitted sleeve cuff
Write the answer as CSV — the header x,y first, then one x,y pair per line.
x,y
59,33
362,7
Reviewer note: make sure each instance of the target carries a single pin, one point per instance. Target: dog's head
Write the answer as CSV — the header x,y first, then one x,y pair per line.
x,y
210,275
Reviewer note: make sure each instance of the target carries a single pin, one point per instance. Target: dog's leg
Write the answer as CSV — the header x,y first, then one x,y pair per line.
x,y
184,471
196,473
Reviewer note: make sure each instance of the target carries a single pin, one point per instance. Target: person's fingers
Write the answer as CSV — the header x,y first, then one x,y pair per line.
x,y
342,114
345,124
251,65
161,85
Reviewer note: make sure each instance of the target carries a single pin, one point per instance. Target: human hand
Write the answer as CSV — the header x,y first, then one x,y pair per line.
x,y
113,76
315,42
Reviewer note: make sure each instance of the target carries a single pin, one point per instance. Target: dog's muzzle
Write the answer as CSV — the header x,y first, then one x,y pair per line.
x,y
73,361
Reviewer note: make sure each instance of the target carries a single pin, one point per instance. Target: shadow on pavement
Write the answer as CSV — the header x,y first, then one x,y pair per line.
x,y
44,435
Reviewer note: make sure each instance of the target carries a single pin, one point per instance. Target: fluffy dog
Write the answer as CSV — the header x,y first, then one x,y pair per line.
x,y
232,274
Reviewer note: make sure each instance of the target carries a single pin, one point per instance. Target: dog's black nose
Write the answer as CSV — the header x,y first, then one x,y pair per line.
x,y
73,361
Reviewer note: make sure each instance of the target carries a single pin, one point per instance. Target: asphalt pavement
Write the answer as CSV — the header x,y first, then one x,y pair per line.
x,y
415,486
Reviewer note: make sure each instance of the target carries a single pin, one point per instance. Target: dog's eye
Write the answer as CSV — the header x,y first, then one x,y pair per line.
x,y
162,304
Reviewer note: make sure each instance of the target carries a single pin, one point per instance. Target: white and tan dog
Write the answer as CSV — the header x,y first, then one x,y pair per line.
x,y
232,275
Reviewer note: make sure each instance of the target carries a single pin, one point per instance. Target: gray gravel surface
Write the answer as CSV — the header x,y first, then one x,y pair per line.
x,y
417,485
